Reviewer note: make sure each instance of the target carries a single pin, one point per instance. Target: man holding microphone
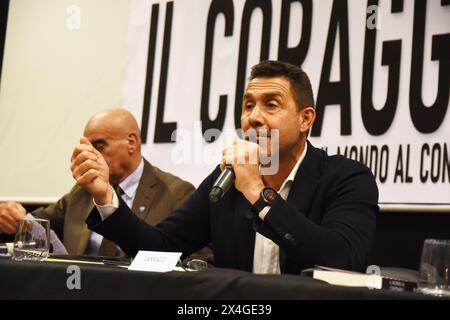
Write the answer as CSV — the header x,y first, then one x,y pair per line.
x,y
314,210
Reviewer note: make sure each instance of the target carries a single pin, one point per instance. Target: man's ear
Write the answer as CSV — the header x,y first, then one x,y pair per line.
x,y
306,117
133,142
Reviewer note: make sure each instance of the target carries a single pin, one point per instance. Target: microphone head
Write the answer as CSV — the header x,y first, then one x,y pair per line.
x,y
215,194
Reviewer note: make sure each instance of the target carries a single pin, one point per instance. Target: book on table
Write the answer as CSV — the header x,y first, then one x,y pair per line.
x,y
391,280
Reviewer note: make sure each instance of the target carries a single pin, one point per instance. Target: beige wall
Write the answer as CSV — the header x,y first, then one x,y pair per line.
x,y
53,79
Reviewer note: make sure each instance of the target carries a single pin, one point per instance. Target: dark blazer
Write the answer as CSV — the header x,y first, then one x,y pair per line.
x,y
328,219
157,195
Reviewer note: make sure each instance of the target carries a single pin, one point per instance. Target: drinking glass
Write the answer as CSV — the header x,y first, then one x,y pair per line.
x,y
32,241
435,268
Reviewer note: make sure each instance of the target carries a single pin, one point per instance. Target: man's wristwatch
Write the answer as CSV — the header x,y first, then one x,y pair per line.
x,y
266,198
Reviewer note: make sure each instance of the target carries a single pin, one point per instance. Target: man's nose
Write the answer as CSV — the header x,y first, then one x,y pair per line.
x,y
256,118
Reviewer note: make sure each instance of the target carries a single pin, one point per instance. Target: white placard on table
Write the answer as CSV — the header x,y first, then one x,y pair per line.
x,y
155,261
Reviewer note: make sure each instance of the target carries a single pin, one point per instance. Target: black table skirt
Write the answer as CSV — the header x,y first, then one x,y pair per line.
x,y
48,280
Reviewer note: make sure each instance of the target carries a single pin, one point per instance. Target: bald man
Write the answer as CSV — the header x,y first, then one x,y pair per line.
x,y
152,194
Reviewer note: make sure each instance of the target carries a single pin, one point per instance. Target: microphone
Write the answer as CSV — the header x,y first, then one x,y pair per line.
x,y
222,184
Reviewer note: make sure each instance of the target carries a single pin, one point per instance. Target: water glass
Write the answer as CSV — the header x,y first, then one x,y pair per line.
x,y
435,268
32,240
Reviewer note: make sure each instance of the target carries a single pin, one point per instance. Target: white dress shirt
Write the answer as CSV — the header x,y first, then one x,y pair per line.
x,y
266,257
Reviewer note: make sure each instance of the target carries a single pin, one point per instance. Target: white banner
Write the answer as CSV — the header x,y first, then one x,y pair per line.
x,y
380,72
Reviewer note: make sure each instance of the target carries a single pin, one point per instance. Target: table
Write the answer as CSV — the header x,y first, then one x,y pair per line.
x,y
48,280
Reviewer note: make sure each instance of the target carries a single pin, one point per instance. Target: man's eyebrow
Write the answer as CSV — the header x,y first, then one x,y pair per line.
x,y
272,94
247,95
265,95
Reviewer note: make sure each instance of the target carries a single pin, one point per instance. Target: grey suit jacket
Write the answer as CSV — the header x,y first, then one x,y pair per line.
x,y
158,194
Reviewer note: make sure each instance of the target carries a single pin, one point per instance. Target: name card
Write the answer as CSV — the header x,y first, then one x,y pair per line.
x,y
155,261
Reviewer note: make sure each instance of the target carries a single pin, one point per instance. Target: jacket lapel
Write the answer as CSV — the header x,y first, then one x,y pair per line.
x,y
144,195
304,185
306,179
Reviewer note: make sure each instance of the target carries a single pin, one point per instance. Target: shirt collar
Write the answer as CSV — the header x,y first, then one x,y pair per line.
x,y
294,170
130,184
